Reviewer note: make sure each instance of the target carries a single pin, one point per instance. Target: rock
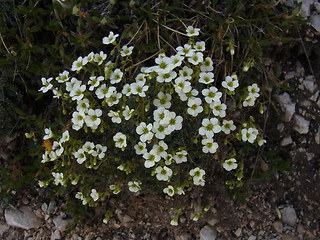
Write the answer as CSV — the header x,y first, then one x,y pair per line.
x,y
60,223
44,207
305,8
288,3
207,233
278,226
289,237
252,237
23,218
301,125
309,83
238,232
301,229
317,6
55,235
288,216
287,106
184,236
315,22
51,207
90,236
286,141
213,221
3,228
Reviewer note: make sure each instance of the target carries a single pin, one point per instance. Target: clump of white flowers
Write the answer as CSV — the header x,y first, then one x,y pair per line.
x,y
144,123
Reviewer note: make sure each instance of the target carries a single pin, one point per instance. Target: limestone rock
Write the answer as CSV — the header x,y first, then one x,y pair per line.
x,y
301,125
61,224
315,21
287,106
21,218
207,233
288,216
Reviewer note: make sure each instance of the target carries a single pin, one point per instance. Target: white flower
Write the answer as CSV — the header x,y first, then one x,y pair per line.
x,y
95,82
100,57
254,90
115,116
90,56
141,77
261,142
249,101
161,148
116,76
127,113
180,157
207,65
48,134
249,134
72,84
133,186
126,51
209,145
209,127
92,120
211,95
83,105
206,77
200,46
141,148
120,140
230,164
144,131
46,85
77,120
163,173
45,158
88,147
94,194
126,90
182,85
161,115
65,137
159,130
163,100
57,148
186,50
170,191
191,31
227,126
194,106
197,175
63,77
138,88
151,158
166,77
196,58
58,178
110,39
177,60
113,99
164,65
174,122
101,150
186,73
77,92
230,83
185,96
78,64
218,109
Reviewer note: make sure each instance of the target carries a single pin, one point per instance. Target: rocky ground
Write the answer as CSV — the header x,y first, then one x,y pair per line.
x,y
283,207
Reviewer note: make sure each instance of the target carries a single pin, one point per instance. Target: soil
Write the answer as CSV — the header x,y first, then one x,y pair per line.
x,y
147,215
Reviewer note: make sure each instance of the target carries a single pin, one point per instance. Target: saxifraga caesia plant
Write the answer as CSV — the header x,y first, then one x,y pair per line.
x,y
132,125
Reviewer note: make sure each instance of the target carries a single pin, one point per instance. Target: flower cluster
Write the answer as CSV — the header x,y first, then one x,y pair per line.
x,y
144,118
